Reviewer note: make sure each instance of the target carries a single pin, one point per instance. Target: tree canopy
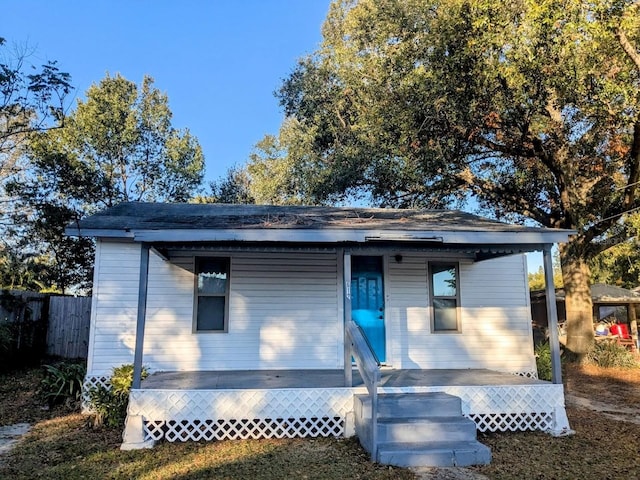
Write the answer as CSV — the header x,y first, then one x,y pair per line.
x,y
528,109
31,99
118,145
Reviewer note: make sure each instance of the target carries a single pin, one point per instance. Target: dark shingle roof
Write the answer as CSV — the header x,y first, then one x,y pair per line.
x,y
167,216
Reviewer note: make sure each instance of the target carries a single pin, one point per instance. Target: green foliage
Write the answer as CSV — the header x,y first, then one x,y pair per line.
x,y
611,355
233,188
22,270
109,404
6,338
543,361
537,279
31,99
62,382
118,145
620,264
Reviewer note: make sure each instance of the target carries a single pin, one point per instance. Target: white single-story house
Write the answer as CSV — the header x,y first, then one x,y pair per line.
x,y
250,319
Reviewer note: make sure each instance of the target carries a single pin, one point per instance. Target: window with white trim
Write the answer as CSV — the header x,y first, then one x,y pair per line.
x,y
211,308
444,296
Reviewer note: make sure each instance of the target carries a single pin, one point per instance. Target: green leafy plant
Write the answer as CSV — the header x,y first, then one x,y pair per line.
x,y
611,354
6,337
109,403
543,361
62,382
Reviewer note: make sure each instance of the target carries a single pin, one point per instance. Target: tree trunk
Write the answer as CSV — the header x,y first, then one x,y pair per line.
x,y
578,305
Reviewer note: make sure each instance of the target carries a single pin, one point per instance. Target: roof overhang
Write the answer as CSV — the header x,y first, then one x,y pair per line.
x,y
459,237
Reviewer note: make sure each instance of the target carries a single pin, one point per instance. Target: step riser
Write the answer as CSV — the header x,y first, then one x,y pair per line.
x,y
411,406
437,457
427,432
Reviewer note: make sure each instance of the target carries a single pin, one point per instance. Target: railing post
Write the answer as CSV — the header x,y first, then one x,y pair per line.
x,y
374,420
369,368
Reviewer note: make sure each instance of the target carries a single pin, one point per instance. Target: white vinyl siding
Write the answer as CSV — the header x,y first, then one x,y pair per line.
x,y
495,319
114,306
283,313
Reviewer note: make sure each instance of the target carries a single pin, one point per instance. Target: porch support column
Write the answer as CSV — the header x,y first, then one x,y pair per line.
x,y
346,273
142,312
552,316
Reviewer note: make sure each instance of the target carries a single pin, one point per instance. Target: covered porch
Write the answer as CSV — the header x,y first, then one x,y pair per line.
x,y
221,405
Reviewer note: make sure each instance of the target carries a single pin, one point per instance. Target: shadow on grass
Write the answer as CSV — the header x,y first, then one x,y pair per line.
x,y
618,386
65,448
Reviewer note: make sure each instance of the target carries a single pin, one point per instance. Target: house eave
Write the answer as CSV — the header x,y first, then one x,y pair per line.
x,y
351,235
97,233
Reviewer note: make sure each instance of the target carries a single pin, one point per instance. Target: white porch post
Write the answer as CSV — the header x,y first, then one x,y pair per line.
x,y
346,273
552,316
142,312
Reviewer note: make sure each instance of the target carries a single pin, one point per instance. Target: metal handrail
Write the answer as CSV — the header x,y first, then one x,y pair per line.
x,y
369,368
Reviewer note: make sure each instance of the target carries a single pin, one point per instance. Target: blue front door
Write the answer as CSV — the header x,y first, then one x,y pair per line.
x,y
367,302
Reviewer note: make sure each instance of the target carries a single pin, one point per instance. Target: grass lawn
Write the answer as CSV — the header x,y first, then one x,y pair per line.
x,y
61,446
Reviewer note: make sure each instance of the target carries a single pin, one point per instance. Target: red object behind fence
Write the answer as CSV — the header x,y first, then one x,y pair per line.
x,y
621,330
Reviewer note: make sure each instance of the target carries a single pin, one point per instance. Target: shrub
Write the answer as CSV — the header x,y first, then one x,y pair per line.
x,y
6,338
109,404
62,382
611,354
543,361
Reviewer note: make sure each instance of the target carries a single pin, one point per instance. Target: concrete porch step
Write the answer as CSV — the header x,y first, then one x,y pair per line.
x,y
426,429
434,454
420,429
408,405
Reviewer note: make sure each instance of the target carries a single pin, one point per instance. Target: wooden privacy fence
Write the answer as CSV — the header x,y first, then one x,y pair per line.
x,y
35,324
68,329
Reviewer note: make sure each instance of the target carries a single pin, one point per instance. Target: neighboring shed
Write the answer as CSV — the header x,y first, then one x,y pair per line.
x,y
249,317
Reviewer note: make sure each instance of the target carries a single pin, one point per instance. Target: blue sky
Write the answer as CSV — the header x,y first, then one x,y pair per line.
x,y
219,61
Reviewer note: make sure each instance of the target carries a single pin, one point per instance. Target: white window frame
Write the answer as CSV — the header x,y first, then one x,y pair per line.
x,y
197,295
455,297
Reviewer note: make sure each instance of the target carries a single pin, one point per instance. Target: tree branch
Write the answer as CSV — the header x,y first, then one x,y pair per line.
x,y
628,48
500,195
629,201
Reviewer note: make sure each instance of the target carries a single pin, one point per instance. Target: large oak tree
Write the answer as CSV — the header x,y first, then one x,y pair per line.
x,y
528,109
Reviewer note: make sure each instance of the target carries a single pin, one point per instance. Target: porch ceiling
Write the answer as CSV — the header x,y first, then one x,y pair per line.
x,y
167,250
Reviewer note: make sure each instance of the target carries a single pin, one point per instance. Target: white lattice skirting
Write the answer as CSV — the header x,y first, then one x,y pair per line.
x,y
92,381
181,415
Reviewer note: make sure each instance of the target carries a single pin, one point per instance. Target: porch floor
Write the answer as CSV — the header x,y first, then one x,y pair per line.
x,y
275,379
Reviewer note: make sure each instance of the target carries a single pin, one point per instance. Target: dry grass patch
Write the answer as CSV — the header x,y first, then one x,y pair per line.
x,y
66,448
62,446
617,386
600,449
